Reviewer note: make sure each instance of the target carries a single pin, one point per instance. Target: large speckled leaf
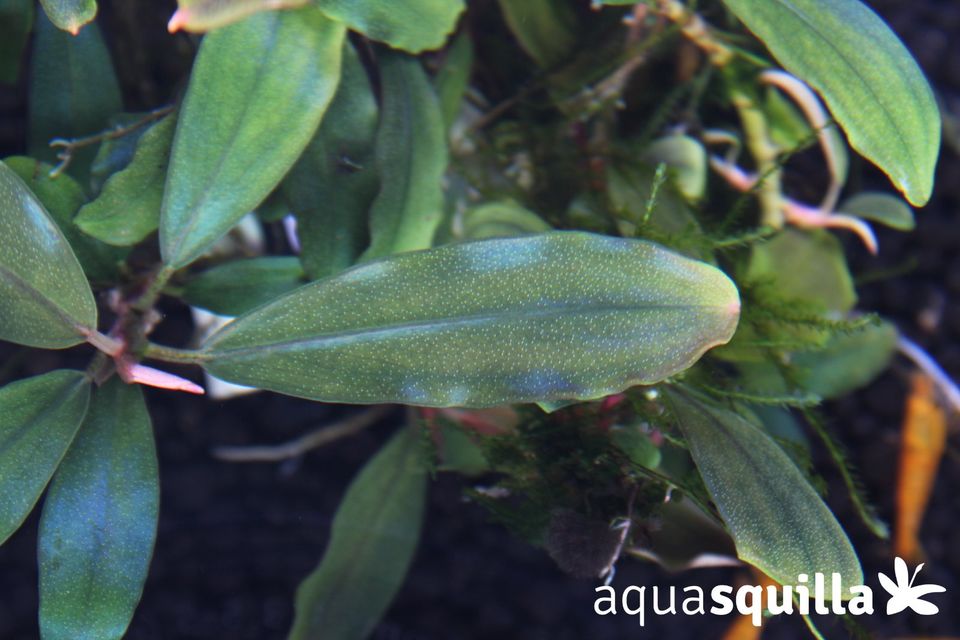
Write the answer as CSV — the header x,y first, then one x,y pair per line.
x,y
99,521
73,91
778,522
411,25
204,15
257,93
38,419
70,15
375,534
61,197
866,76
45,300
411,151
562,315
334,182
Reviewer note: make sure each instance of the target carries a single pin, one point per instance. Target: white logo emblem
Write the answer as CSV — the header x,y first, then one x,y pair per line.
x,y
904,595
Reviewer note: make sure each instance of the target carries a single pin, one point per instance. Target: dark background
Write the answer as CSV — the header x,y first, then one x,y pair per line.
x,y
235,539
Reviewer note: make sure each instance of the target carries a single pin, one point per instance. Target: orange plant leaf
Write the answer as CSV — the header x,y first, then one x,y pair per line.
x,y
743,628
923,440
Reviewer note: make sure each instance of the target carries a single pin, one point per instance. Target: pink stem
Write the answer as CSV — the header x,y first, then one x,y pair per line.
x,y
134,373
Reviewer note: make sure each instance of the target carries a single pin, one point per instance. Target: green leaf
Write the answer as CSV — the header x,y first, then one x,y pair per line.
x,y
38,419
16,22
239,286
70,15
562,315
128,207
881,207
332,186
73,91
630,193
45,300
501,220
99,521
778,522
257,92
62,197
789,128
686,160
866,76
847,362
637,446
374,536
805,265
412,156
453,78
206,15
114,153
459,452
546,29
411,25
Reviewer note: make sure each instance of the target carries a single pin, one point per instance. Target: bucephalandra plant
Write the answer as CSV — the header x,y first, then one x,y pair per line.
x,y
564,241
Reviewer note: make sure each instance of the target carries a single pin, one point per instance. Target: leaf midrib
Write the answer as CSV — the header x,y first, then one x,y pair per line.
x,y
445,322
30,291
200,200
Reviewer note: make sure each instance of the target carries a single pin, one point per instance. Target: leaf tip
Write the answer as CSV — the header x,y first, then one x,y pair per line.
x,y
178,20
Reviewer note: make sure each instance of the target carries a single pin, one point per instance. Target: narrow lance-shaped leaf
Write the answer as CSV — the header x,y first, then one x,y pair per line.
x,y
128,207
73,91
375,534
778,522
38,419
453,78
205,15
411,25
99,521
45,300
868,79
257,93
411,159
70,15
332,186
562,315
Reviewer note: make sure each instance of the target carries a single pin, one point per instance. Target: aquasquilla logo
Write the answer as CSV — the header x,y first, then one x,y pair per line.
x,y
821,595
905,594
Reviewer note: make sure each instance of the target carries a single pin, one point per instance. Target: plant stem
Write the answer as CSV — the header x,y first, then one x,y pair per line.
x,y
764,153
171,354
155,287
303,444
70,146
